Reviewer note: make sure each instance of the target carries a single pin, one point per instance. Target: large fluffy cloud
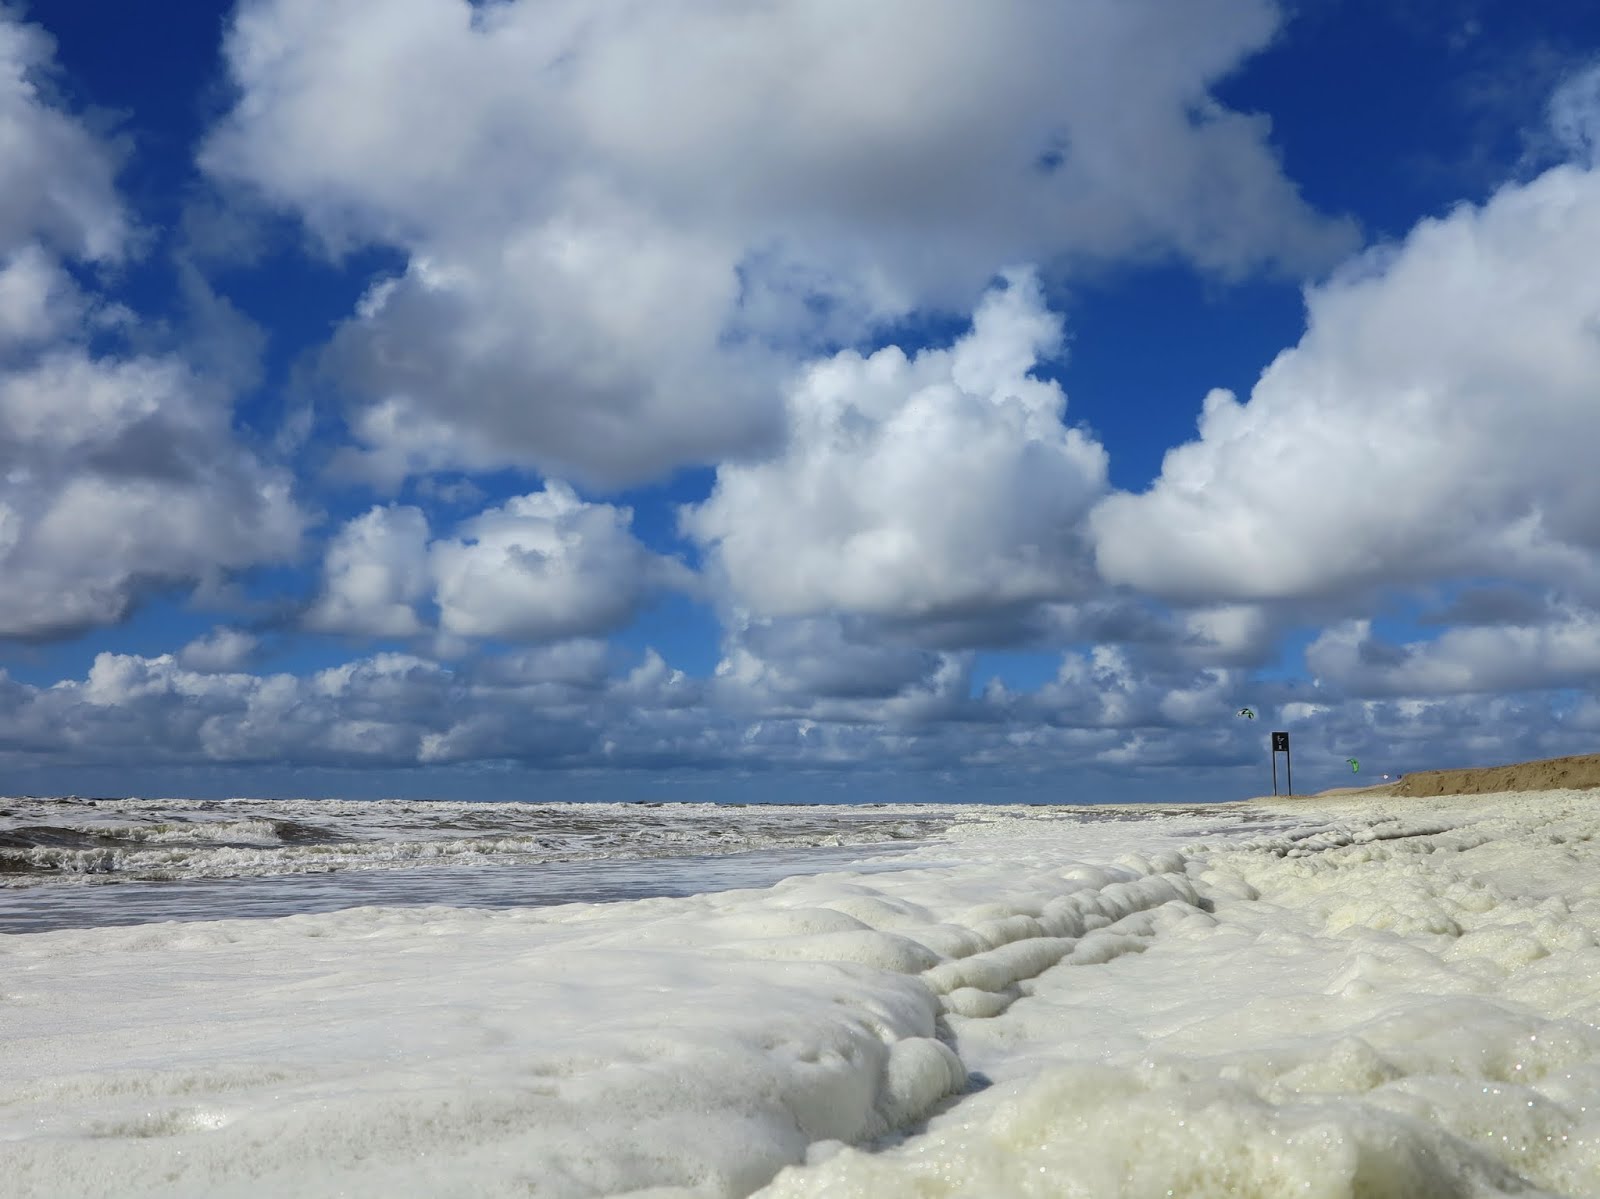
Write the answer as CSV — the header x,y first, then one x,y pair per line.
x,y
546,565
1563,652
59,177
621,219
541,566
119,471
374,574
915,487
1437,420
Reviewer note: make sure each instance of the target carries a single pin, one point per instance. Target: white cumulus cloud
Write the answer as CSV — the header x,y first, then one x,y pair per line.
x,y
622,219
118,475
119,471
375,572
219,652
939,483
1437,420
546,565
59,177
1564,652
543,566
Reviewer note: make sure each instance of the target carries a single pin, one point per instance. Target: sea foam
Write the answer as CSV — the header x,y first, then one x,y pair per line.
x,y
1360,1002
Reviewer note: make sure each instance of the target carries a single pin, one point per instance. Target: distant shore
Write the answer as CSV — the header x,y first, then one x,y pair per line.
x,y
1577,772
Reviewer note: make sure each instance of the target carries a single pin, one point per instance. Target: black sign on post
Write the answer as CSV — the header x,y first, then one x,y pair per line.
x,y
1280,745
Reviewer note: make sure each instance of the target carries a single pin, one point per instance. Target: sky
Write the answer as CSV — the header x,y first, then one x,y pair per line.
x,y
803,400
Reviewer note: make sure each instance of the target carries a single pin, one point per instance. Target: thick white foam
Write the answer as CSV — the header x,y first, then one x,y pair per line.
x,y
1400,1005
1363,1003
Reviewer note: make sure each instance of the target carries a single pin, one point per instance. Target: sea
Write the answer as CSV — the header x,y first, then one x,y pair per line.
x,y
85,862
1327,997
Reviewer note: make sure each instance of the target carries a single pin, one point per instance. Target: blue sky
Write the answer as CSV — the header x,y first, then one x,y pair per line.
x,y
690,400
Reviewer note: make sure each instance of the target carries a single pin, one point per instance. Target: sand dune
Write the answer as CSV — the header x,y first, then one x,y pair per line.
x,y
1550,774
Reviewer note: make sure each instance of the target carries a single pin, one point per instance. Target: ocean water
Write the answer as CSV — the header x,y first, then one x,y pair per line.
x,y
86,862
308,999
